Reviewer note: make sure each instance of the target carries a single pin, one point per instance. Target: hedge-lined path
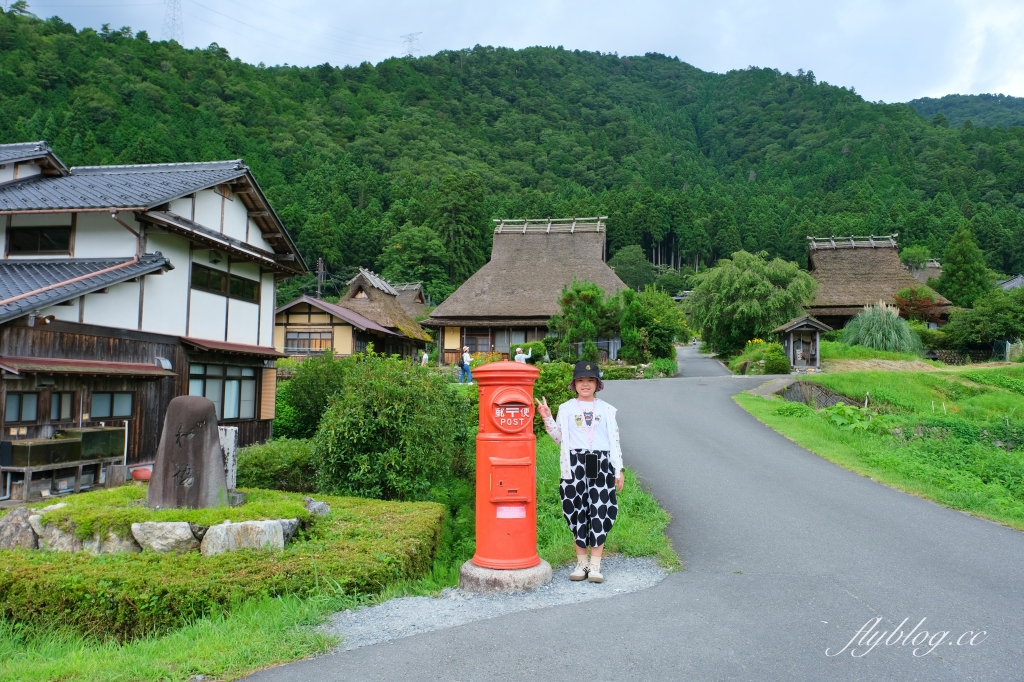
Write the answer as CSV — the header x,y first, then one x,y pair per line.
x,y
786,556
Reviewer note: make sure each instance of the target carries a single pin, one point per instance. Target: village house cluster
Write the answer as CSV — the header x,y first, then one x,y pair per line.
x,y
122,287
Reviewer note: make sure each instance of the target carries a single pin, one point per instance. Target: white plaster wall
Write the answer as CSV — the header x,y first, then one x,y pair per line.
x,y
256,237
165,297
119,307
247,270
41,219
243,322
207,315
208,209
236,218
27,170
267,295
182,207
97,235
65,313
202,257
6,172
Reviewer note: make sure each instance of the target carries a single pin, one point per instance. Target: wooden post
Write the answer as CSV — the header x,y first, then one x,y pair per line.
x,y
817,349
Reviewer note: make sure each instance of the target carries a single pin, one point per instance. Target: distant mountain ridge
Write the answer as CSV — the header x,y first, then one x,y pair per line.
x,y
981,110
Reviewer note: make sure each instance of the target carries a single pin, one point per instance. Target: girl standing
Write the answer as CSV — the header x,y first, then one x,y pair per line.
x,y
591,467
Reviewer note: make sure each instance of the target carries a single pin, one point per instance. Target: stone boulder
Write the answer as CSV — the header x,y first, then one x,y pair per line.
x,y
16,532
165,537
231,537
52,538
112,544
316,507
189,467
288,527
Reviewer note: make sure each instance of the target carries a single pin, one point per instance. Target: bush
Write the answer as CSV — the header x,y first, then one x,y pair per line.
x,y
360,547
917,303
930,338
776,363
538,348
302,399
666,367
996,315
880,327
278,464
552,384
651,322
393,431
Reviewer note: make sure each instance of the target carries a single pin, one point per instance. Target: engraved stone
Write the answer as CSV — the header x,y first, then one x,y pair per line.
x,y
189,468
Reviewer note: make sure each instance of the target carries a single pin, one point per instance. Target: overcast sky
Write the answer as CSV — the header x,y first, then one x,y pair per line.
x,y
891,50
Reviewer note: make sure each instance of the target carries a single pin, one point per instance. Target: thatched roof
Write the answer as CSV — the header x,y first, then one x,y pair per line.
x,y
412,298
531,262
856,271
375,299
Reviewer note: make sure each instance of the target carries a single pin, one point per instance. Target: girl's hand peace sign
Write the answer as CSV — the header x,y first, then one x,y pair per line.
x,y
543,408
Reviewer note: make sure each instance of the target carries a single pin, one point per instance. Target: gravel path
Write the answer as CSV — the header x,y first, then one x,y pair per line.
x,y
416,615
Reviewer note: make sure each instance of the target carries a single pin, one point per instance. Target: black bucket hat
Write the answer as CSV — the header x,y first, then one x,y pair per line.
x,y
583,369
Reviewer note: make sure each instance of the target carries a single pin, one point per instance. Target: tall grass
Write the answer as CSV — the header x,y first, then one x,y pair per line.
x,y
880,327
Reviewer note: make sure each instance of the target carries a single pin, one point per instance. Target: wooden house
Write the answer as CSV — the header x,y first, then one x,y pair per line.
x,y
853,272
369,312
310,326
122,287
510,299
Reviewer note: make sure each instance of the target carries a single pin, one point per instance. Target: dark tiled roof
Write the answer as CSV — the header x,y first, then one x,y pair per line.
x,y
101,187
26,151
27,285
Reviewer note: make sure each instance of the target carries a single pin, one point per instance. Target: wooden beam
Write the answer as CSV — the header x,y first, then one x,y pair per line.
x,y
284,256
273,235
259,214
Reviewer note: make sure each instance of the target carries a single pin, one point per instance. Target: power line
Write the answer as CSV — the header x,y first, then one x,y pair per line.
x,y
381,42
174,26
410,43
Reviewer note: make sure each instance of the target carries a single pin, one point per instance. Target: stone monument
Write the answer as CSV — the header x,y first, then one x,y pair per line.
x,y
189,468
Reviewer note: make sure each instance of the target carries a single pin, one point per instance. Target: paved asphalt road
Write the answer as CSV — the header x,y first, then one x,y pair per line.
x,y
786,556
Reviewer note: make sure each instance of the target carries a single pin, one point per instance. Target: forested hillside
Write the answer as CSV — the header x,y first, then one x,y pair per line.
x,y
401,166
980,110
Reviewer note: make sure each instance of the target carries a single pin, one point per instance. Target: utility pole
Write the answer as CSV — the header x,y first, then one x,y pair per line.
x,y
410,43
174,28
319,275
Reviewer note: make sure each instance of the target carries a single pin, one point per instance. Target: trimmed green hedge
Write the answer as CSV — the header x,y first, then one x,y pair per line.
x,y
279,464
360,547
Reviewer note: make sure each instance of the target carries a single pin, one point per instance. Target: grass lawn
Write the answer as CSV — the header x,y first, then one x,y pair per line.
x,y
264,631
951,437
835,350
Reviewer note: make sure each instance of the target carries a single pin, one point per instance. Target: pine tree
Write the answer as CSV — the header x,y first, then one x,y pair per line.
x,y
964,275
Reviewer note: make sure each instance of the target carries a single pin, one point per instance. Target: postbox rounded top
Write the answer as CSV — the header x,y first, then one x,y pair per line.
x,y
506,372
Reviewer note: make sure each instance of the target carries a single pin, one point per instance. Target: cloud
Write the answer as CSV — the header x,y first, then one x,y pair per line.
x,y
894,50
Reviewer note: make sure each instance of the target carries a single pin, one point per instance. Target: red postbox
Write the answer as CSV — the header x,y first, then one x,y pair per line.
x,y
506,467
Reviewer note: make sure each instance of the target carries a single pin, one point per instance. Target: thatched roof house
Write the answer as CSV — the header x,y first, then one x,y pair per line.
x,y
310,326
510,299
412,298
856,271
375,299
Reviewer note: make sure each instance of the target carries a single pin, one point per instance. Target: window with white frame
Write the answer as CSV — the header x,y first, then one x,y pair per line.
x,y
231,389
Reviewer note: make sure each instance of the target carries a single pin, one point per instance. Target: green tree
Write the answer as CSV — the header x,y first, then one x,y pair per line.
x,y
996,314
651,322
584,312
964,275
460,218
915,257
745,297
417,254
674,281
632,267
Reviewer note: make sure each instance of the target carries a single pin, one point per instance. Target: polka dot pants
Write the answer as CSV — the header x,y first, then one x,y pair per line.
x,y
589,505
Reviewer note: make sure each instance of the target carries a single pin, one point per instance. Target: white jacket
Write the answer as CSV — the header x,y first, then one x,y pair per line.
x,y
559,426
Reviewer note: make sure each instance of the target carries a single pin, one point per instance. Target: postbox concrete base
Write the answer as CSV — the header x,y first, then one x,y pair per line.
x,y
473,578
